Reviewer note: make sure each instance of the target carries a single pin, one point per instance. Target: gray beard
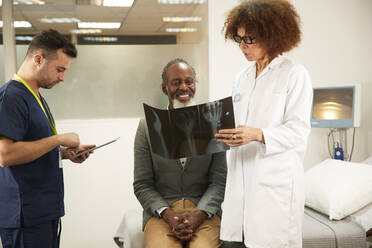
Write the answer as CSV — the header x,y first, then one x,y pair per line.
x,y
178,104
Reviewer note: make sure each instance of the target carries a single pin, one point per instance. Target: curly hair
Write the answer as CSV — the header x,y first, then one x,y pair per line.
x,y
274,24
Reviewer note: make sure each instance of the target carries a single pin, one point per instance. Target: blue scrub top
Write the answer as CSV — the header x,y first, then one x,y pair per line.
x,y
32,191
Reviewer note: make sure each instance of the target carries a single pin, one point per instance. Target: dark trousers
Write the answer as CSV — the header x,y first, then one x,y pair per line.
x,y
226,244
45,235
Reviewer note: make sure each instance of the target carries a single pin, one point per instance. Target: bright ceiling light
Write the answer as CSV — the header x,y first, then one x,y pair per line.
x,y
101,39
59,20
24,37
181,1
29,2
86,31
22,24
118,3
182,30
99,25
19,24
182,19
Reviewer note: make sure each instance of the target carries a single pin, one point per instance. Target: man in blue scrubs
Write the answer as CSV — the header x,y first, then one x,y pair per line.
x,y
31,150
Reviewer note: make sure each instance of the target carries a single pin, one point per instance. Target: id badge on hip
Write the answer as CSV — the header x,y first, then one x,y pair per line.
x,y
60,157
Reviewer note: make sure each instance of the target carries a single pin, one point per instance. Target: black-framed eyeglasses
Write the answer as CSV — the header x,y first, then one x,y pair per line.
x,y
247,39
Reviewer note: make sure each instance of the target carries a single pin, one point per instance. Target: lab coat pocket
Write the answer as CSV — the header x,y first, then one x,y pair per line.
x,y
275,171
276,182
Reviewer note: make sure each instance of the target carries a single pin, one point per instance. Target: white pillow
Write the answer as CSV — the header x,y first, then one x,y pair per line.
x,y
363,217
337,188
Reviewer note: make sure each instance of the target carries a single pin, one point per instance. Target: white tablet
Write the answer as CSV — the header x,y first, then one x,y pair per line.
x,y
94,148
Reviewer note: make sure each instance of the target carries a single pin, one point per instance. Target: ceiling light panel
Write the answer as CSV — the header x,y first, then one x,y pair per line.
x,y
59,20
104,25
107,3
86,31
181,1
182,19
118,3
22,24
101,39
19,24
29,2
180,30
24,38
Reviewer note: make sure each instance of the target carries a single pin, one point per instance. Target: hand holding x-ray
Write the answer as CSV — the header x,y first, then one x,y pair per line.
x,y
212,112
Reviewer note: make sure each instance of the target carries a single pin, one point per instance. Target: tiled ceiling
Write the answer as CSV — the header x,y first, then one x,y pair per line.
x,y
143,18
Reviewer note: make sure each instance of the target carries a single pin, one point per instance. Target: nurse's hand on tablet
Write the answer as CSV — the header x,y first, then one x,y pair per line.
x,y
239,136
69,153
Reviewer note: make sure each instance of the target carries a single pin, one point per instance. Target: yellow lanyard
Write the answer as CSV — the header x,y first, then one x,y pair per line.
x,y
48,116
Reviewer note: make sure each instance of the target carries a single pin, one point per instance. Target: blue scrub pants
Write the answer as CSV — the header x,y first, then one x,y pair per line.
x,y
45,235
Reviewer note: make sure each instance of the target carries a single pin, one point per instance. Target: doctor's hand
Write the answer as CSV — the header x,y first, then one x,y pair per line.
x,y
239,136
68,153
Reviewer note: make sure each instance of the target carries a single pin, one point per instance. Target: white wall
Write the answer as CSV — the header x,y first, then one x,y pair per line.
x,y
99,191
336,49
225,59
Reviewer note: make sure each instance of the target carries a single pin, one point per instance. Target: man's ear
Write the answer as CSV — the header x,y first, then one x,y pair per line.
x,y
38,59
165,90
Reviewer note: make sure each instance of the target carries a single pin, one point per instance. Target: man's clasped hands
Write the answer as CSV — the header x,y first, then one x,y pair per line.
x,y
183,225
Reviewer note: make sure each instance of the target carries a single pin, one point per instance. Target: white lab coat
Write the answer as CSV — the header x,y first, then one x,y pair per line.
x,y
264,197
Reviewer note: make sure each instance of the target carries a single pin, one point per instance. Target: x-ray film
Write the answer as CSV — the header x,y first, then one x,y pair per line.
x,y
189,131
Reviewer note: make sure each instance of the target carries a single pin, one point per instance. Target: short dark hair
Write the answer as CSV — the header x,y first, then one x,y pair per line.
x,y
274,24
170,63
50,41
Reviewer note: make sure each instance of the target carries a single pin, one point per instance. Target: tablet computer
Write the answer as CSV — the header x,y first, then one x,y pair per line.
x,y
94,148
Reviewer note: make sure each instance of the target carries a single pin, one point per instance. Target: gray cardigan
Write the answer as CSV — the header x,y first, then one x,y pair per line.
x,y
158,182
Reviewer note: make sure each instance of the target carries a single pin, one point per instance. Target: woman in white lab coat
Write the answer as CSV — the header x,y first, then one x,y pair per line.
x,y
264,198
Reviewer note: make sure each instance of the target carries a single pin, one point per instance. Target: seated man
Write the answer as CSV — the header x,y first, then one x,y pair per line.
x,y
181,198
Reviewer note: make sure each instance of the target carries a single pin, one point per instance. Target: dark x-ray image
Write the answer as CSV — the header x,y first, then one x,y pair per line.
x,y
189,131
